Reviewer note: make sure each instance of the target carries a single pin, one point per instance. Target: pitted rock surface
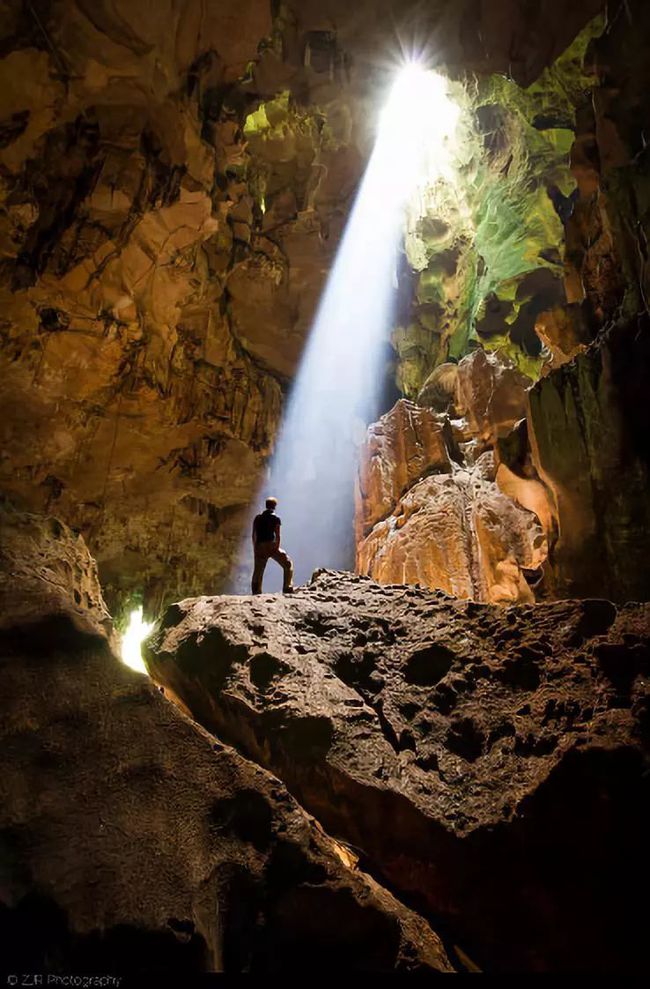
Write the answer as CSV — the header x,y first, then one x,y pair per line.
x,y
132,841
487,761
46,569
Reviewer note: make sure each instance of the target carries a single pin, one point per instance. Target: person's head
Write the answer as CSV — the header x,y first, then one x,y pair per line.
x,y
271,504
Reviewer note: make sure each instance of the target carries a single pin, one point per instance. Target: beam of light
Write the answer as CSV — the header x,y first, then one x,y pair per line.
x,y
135,634
336,389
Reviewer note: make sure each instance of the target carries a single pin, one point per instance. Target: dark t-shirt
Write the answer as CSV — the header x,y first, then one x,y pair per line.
x,y
265,526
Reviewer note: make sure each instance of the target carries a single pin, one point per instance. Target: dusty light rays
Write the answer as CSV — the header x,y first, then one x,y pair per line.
x,y
336,389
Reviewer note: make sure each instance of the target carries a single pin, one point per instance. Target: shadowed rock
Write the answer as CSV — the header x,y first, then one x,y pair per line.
x,y
133,841
487,761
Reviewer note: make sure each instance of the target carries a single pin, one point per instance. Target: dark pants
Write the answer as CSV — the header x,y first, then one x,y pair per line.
x,y
265,552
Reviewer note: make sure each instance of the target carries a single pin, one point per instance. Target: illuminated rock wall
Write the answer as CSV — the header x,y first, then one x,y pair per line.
x,y
430,513
173,189
579,299
152,313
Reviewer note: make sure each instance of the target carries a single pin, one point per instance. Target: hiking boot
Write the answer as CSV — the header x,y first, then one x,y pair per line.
x,y
288,590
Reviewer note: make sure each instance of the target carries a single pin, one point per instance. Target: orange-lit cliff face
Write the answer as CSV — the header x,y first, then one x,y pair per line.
x,y
173,190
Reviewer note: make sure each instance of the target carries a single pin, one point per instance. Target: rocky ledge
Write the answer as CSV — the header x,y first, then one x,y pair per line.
x,y
134,842
489,764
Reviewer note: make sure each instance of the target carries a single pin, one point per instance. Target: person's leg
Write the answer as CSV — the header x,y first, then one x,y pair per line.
x,y
281,557
258,572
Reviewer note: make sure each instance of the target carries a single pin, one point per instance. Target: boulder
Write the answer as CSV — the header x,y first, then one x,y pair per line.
x,y
488,762
131,840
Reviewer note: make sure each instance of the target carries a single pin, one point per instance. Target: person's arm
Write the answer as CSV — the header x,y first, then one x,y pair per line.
x,y
254,532
277,535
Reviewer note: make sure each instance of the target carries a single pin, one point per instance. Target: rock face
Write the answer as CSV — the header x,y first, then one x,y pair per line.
x,y
589,432
45,568
489,763
172,191
588,420
426,515
149,318
133,841
459,533
491,395
406,443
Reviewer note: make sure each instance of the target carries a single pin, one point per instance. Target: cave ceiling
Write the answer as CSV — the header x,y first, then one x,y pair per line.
x,y
174,180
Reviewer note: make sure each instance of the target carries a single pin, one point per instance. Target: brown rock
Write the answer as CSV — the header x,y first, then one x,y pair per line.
x,y
563,332
491,394
528,492
145,324
406,443
135,842
439,390
145,320
588,426
489,762
517,478
45,568
457,533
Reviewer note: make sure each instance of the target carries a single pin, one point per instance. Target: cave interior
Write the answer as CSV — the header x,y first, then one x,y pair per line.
x,y
388,262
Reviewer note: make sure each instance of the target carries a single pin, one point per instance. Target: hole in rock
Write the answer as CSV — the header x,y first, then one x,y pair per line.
x,y
428,666
264,668
136,632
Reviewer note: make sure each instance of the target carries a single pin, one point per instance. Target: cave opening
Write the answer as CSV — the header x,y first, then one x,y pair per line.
x,y
132,638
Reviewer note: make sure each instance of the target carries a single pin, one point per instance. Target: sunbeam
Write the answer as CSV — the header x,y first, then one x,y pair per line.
x,y
336,389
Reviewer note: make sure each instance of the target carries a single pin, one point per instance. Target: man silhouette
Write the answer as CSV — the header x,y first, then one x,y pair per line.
x,y
266,546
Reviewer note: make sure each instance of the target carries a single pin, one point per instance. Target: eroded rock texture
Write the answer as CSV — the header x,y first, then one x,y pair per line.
x,y
459,533
172,191
588,421
46,568
132,841
428,510
491,764
404,445
152,311
563,293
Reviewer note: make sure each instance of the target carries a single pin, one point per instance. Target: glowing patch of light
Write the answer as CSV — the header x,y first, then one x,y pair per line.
x,y
421,116
336,390
135,634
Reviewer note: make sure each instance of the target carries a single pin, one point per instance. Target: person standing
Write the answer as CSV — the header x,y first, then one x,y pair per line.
x,y
266,546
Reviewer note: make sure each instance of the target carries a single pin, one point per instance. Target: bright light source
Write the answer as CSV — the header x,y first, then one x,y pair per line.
x,y
335,392
132,640
419,104
420,119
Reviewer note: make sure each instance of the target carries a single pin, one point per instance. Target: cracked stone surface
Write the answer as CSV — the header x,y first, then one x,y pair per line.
x,y
488,762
